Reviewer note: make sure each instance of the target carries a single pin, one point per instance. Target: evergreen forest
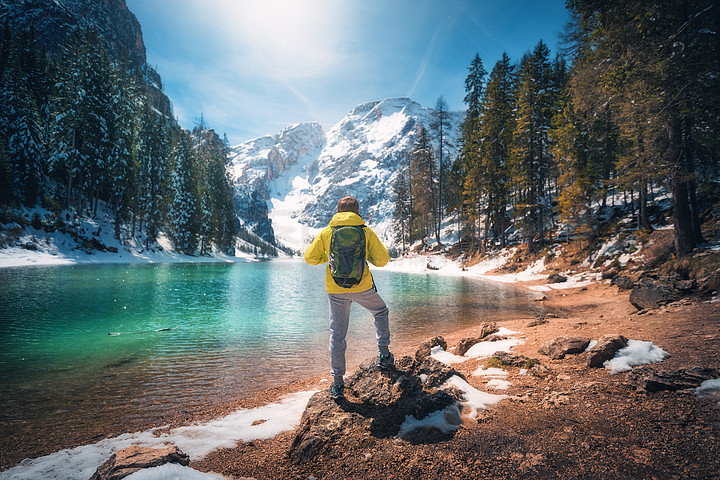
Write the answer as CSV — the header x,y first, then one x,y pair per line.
x,y
563,147
79,130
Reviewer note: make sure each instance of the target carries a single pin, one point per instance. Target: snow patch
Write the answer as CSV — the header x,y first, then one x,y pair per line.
x,y
447,358
488,349
195,440
636,353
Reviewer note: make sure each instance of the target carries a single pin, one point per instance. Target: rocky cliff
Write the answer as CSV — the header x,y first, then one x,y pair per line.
x,y
53,20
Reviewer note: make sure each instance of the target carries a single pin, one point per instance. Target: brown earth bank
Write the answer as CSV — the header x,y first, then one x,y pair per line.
x,y
566,421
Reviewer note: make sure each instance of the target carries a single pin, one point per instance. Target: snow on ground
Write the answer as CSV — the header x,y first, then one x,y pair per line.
x,y
447,358
475,399
173,471
58,248
490,372
196,441
637,352
480,349
709,388
488,349
498,384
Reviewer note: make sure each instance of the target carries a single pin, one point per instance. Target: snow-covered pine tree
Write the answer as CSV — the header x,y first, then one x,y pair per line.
x,y
182,216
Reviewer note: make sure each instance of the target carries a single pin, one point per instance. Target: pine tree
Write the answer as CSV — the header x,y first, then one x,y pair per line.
x,y
532,155
183,209
496,127
423,186
469,160
402,213
440,125
659,70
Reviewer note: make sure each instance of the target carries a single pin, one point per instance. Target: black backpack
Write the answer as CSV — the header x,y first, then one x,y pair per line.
x,y
347,254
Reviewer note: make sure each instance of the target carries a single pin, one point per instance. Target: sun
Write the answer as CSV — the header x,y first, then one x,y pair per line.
x,y
290,38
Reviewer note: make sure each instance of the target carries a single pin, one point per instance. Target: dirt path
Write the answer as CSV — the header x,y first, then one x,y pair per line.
x,y
572,422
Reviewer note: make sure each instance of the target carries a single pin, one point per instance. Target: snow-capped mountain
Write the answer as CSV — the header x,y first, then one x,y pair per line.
x,y
302,173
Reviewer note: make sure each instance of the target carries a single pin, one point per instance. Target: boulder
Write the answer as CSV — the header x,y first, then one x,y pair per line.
x,y
649,293
646,379
513,360
623,282
556,278
686,286
425,347
376,404
134,458
561,346
465,344
605,349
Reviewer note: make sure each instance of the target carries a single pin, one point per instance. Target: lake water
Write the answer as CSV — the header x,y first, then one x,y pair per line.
x,y
226,331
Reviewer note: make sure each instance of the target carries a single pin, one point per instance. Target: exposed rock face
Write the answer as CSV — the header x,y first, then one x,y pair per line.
x,y
645,379
376,405
131,459
424,349
606,348
52,21
562,346
649,293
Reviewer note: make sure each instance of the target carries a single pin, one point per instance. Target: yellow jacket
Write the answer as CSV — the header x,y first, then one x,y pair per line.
x,y
375,252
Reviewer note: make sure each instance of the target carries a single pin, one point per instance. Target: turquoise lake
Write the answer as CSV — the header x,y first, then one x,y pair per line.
x,y
226,331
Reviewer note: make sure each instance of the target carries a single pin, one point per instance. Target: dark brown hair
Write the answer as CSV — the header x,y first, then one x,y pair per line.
x,y
348,204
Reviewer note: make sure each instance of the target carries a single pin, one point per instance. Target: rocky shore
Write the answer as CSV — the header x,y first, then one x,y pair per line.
x,y
563,419
561,415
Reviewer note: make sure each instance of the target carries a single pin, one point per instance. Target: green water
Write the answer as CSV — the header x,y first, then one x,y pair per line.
x,y
241,328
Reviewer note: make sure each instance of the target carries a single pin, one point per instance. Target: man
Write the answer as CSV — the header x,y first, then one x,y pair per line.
x,y
363,293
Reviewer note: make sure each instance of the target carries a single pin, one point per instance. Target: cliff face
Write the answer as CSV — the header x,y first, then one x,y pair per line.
x,y
53,20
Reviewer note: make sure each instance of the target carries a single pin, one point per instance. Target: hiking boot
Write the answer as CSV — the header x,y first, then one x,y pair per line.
x,y
385,361
337,391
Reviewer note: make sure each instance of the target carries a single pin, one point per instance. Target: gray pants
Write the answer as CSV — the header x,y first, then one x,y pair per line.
x,y
340,318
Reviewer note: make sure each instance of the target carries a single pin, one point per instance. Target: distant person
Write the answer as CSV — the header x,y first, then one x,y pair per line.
x,y
346,245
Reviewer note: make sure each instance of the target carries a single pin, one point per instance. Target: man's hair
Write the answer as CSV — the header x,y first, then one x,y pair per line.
x,y
348,204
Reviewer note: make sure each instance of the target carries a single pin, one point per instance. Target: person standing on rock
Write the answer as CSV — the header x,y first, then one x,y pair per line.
x,y
347,245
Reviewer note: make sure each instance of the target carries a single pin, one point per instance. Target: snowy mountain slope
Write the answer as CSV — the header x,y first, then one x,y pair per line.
x,y
302,173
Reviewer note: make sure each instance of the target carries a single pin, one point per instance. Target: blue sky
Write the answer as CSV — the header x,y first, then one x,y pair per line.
x,y
253,67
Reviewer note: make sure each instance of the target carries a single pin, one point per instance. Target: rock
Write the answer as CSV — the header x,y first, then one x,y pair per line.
x,y
649,293
609,274
112,249
556,278
29,246
686,285
513,360
134,458
623,282
561,346
376,405
645,379
606,348
425,347
536,322
464,345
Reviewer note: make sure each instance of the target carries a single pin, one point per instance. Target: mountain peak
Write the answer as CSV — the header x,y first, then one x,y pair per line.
x,y
302,172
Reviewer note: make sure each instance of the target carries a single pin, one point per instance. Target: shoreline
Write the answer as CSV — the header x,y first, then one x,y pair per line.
x,y
590,309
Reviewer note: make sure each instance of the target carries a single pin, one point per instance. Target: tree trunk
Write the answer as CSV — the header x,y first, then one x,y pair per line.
x,y
643,218
684,235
